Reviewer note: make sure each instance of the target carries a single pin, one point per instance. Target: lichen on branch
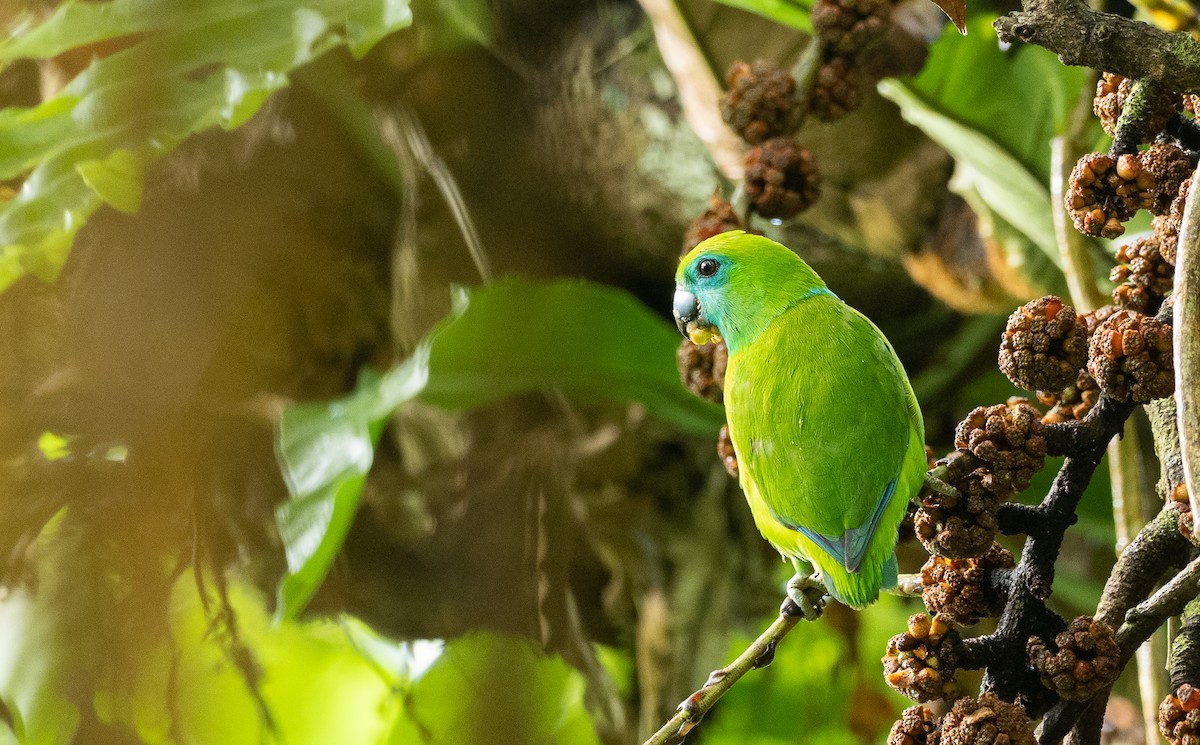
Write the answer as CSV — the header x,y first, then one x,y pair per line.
x,y
1084,37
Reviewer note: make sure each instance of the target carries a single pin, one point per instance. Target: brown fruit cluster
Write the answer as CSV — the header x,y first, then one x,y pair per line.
x,y
1179,716
726,453
1181,503
1170,166
954,587
852,57
921,662
760,102
1166,227
1044,345
1075,401
1104,192
781,179
916,726
1086,659
719,217
1143,277
1072,403
1093,318
1111,93
960,526
702,368
849,26
987,720
1131,357
838,89
1009,439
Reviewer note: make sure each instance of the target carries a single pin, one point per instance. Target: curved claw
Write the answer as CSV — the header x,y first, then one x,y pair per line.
x,y
936,485
809,595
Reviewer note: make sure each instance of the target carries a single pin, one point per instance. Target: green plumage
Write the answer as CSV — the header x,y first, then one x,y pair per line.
x,y
827,432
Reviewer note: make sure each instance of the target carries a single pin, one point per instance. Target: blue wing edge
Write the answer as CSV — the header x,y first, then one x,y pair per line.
x,y
850,547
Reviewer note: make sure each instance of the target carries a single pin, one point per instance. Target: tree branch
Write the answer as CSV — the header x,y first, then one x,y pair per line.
x,y
1087,38
758,654
1187,345
1170,600
1033,577
1139,568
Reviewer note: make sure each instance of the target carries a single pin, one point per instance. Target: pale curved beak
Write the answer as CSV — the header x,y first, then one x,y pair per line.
x,y
690,320
686,308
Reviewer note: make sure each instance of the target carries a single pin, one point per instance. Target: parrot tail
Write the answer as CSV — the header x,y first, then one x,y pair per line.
x,y
855,589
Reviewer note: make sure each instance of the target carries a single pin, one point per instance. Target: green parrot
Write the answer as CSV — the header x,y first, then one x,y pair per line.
x,y
828,435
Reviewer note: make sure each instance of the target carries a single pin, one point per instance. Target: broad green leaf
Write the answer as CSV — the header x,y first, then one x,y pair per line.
x,y
589,341
995,112
188,67
46,639
592,342
325,451
1000,180
1019,98
794,13
1040,272
117,179
488,689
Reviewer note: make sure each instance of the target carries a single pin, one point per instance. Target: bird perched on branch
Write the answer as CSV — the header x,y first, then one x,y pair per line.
x,y
829,439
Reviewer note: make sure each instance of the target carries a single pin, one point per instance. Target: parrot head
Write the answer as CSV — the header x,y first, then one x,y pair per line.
x,y
733,284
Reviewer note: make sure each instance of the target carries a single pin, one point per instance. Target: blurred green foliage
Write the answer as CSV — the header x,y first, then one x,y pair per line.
x,y
539,370
588,341
177,72
996,112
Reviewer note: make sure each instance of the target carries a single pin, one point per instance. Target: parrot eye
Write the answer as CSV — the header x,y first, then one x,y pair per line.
x,y
707,267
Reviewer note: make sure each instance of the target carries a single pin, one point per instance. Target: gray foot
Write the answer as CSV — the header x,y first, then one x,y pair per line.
x,y
934,484
808,594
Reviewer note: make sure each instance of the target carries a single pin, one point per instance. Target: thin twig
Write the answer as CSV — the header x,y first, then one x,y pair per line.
x,y
758,654
699,89
1170,600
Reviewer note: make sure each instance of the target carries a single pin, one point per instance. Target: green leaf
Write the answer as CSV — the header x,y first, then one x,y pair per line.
x,y
1000,180
325,451
488,688
117,179
1040,270
187,68
46,638
1019,98
589,341
995,112
794,13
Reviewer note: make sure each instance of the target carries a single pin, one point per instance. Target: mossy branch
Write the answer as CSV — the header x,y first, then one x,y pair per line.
x,y
1085,37
1187,345
1138,569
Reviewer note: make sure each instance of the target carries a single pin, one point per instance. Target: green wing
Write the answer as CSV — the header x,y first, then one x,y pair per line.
x,y
822,417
